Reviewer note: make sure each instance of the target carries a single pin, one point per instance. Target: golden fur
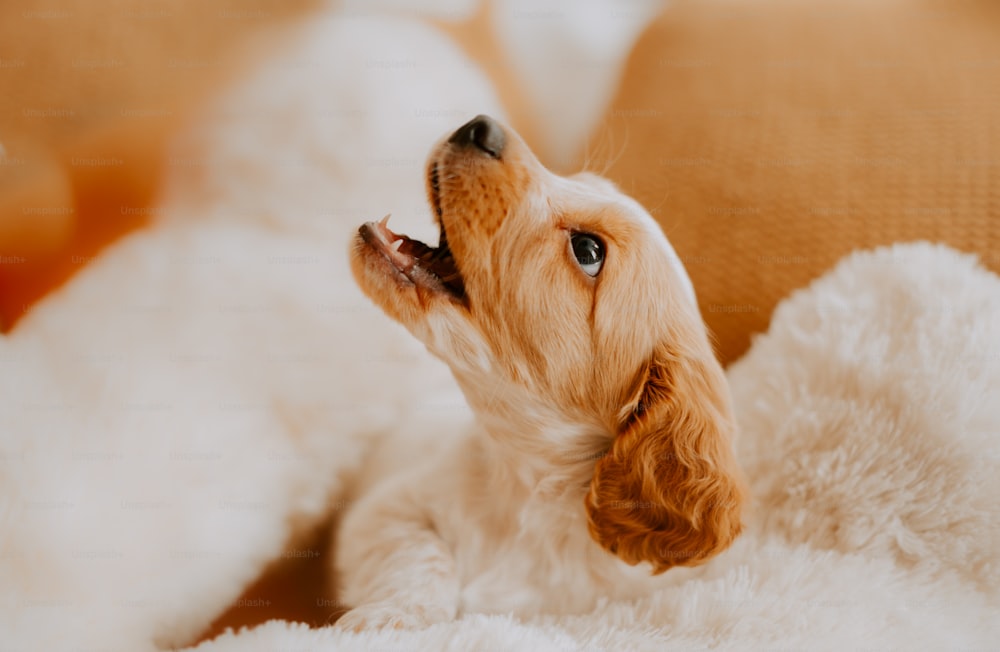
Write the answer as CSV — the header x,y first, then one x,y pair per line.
x,y
608,381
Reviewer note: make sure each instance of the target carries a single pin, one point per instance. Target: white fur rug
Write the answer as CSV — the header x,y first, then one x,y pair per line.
x,y
201,392
871,435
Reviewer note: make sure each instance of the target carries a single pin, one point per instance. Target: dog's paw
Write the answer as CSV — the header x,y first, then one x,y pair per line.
x,y
383,615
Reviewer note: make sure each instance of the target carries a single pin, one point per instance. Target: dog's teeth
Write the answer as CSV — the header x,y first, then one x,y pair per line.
x,y
384,221
396,244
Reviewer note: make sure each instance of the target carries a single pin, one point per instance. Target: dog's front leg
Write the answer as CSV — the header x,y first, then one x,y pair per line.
x,y
394,568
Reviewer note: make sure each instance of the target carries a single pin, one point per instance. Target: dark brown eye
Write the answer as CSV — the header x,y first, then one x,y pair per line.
x,y
589,252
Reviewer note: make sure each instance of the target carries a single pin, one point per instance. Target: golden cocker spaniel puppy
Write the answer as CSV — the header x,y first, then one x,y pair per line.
x,y
602,449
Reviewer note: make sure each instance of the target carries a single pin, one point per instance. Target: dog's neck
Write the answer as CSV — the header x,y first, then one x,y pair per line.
x,y
537,447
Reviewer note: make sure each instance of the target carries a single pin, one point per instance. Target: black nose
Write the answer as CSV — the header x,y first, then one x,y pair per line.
x,y
483,132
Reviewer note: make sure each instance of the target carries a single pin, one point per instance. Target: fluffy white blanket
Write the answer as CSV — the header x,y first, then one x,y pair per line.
x,y
202,391
871,434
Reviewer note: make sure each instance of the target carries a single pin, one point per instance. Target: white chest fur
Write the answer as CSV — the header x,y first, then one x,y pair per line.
x,y
518,550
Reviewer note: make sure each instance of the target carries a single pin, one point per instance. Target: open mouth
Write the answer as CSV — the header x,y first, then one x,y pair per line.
x,y
428,267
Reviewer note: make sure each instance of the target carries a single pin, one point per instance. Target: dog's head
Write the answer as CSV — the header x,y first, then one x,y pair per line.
x,y
561,308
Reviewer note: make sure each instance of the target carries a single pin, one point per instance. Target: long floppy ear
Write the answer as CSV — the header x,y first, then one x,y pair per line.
x,y
669,490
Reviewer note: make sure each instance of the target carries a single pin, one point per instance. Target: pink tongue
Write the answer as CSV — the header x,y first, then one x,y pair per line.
x,y
408,246
415,259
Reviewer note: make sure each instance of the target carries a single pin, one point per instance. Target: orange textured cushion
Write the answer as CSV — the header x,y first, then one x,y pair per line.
x,y
772,138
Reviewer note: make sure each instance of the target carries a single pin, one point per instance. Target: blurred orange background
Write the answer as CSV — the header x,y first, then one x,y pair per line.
x,y
90,92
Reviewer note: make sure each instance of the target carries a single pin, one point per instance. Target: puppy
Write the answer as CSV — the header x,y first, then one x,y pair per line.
x,y
601,453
